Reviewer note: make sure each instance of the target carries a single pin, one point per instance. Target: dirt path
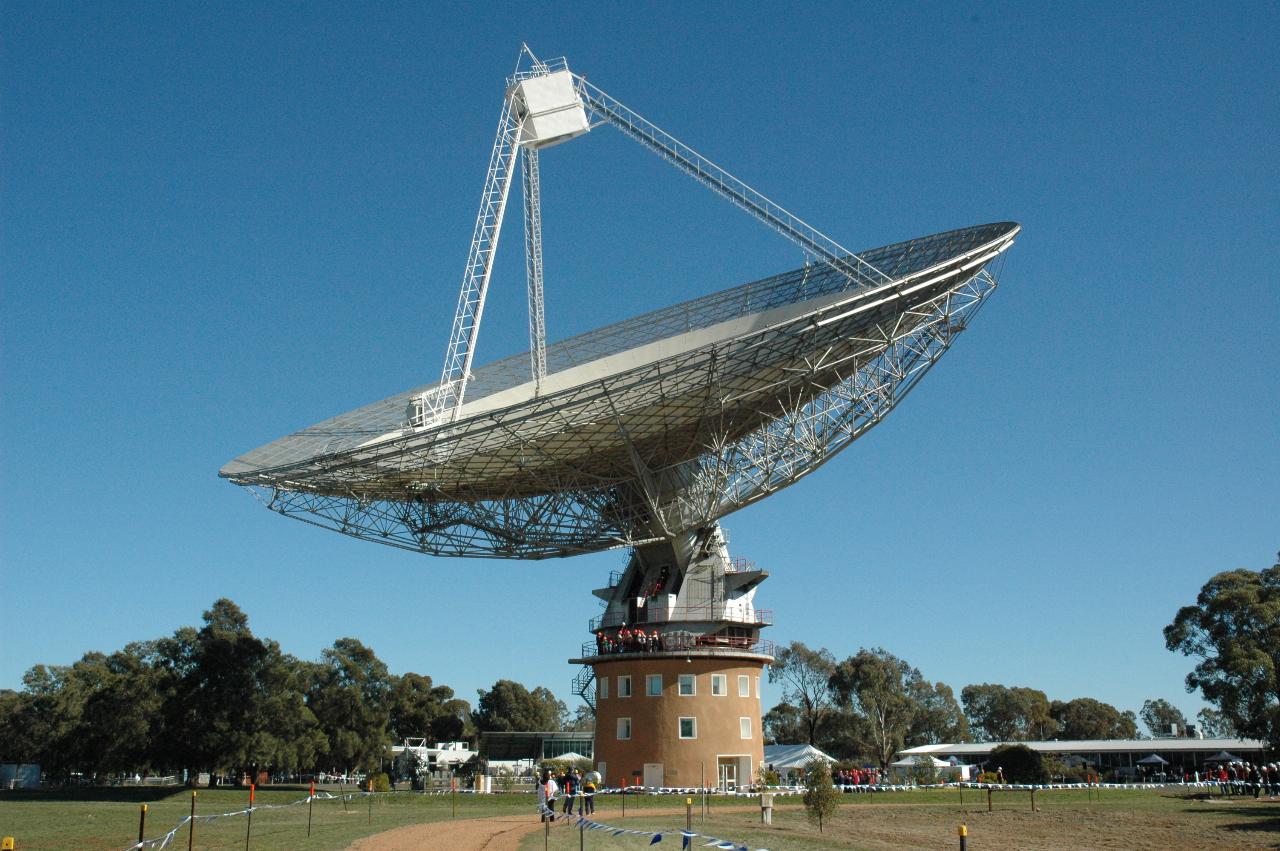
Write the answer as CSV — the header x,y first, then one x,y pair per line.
x,y
497,833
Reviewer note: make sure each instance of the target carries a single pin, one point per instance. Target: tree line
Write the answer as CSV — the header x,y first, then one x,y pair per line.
x,y
874,704
220,699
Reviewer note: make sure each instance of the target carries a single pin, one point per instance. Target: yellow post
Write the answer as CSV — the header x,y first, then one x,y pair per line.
x,y
142,823
6,844
688,813
964,837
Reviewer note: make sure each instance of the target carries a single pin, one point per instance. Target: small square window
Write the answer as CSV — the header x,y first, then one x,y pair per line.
x,y
624,729
688,728
603,688
687,688
757,688
744,685
624,686
653,685
744,727
719,685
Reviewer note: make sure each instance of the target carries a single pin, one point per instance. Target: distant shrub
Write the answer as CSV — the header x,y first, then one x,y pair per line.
x,y
1059,772
379,782
1020,764
820,796
923,771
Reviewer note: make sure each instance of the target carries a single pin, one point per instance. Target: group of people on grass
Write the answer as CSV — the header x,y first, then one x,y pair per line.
x,y
573,785
1246,778
855,776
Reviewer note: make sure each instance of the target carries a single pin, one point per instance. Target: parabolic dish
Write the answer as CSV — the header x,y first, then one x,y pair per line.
x,y
647,428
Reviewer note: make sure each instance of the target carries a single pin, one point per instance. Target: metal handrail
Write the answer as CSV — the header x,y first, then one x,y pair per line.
x,y
681,614
702,645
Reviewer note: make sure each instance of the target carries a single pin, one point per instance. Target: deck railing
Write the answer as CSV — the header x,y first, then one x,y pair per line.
x,y
700,644
708,613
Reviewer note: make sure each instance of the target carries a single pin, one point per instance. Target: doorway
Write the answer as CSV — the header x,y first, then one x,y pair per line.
x,y
732,771
727,779
653,775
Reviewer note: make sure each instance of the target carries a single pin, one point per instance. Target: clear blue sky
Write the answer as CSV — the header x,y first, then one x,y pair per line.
x,y
223,222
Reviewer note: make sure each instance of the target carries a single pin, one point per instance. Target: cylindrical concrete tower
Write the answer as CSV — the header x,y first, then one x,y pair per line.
x,y
680,706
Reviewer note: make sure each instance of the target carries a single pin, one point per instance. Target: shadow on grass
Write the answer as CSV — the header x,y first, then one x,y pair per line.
x,y
137,794
1262,817
116,794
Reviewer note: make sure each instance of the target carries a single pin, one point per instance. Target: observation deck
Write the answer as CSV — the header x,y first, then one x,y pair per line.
x,y
706,613
675,647
677,600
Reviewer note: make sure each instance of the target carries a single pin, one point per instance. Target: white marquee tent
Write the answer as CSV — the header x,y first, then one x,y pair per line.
x,y
787,758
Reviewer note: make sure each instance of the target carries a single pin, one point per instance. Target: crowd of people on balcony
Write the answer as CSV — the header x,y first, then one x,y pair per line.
x,y
627,640
637,640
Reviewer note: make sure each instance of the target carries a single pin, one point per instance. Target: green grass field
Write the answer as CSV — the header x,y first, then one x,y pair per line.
x,y
929,819
1131,819
108,818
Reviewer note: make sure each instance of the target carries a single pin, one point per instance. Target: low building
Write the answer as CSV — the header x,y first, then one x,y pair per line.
x,y
1122,757
535,746
430,758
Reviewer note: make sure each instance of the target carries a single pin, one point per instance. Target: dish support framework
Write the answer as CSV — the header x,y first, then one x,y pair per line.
x,y
518,134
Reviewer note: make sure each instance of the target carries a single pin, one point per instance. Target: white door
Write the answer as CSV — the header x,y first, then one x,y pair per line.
x,y
653,774
728,776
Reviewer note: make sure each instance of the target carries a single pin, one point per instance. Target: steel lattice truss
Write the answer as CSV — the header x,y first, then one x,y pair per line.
x,y
699,410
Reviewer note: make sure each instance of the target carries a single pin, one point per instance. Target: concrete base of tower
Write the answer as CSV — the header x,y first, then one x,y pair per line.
x,y
681,719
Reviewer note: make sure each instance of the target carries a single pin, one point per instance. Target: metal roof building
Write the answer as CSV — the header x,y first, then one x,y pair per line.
x,y
535,745
1184,754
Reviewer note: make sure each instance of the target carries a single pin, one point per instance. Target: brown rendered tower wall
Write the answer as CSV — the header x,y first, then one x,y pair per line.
x,y
639,737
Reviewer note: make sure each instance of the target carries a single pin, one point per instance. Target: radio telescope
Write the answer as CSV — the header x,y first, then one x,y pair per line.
x,y
640,434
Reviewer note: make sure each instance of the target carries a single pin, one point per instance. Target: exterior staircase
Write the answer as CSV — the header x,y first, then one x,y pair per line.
x,y
584,686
